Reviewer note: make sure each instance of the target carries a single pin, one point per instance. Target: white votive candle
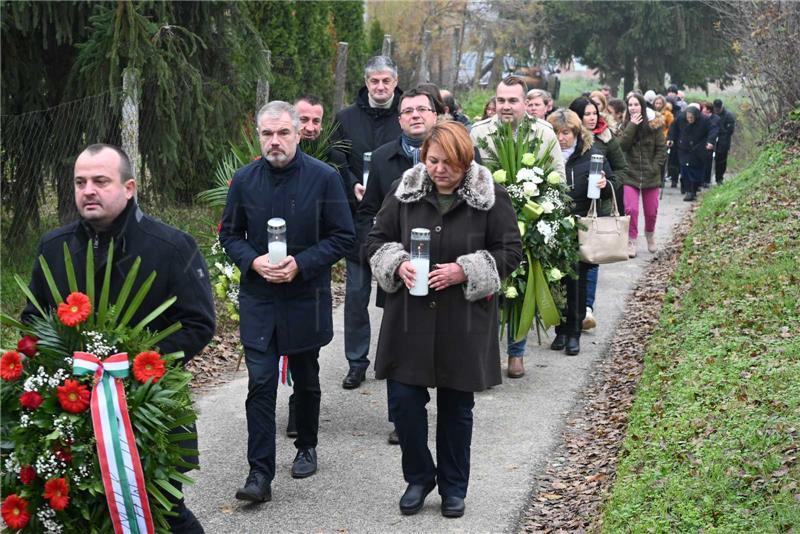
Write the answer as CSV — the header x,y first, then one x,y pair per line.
x,y
422,266
277,251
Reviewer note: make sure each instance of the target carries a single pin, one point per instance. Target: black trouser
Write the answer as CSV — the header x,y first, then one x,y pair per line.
x,y
453,435
262,368
575,312
720,166
709,163
674,165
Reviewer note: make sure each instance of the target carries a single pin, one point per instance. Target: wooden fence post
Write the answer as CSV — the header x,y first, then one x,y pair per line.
x,y
386,49
341,76
130,120
424,72
262,89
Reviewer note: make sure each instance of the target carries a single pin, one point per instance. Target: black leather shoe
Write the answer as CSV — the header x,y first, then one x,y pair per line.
x,y
354,378
690,196
573,346
291,423
412,500
256,488
393,439
452,506
559,342
305,463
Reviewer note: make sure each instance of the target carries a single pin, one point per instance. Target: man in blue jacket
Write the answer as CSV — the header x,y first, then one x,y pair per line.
x,y
285,307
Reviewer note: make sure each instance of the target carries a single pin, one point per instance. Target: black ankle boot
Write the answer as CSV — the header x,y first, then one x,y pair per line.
x,y
559,342
573,346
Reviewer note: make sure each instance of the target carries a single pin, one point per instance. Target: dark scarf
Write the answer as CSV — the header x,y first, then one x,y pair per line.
x,y
411,147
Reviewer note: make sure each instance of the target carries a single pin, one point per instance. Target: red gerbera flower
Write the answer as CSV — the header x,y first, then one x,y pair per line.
x,y
75,310
15,512
27,345
27,474
57,492
73,396
148,365
10,365
30,400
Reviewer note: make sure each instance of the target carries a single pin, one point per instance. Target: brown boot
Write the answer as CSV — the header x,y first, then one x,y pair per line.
x,y
651,241
515,367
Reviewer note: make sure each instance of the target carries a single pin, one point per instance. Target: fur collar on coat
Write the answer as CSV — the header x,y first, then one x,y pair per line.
x,y
477,187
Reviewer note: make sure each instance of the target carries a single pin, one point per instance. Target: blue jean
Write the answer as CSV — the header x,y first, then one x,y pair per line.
x,y
591,285
515,349
262,387
453,435
358,287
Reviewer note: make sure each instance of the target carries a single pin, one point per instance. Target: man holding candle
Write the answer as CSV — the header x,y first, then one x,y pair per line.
x,y
367,124
286,307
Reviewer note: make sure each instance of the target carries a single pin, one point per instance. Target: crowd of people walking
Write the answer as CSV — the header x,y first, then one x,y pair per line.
x,y
409,204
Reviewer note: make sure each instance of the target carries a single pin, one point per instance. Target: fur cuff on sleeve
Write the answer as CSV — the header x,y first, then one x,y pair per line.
x,y
482,277
384,265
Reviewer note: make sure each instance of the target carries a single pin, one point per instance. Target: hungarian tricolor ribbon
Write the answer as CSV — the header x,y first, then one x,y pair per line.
x,y
284,373
120,466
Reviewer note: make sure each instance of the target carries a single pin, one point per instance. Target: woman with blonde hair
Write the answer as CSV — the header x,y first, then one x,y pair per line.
x,y
447,337
576,148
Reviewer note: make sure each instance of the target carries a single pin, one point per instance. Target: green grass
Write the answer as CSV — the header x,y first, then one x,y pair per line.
x,y
714,432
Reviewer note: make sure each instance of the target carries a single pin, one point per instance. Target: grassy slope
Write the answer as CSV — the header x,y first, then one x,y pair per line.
x,y
714,432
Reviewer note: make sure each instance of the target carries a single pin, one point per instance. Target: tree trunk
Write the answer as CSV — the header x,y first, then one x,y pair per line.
x,y
341,76
479,65
629,75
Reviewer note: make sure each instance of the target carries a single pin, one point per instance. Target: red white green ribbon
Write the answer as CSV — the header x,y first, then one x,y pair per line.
x,y
284,374
120,466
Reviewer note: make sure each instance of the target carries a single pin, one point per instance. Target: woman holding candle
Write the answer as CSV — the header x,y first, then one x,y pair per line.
x,y
447,339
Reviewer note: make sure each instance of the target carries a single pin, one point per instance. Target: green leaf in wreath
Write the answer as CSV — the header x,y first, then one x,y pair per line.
x,y
127,285
27,291
72,281
137,300
106,289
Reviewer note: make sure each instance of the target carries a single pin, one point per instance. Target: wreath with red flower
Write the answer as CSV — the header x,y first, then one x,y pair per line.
x,y
51,477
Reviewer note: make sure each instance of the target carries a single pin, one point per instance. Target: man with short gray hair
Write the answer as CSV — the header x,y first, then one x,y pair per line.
x,y
367,124
285,295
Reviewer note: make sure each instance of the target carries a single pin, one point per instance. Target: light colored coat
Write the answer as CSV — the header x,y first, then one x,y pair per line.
x,y
540,128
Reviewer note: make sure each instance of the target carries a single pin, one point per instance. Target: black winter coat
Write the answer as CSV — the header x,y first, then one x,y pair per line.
x,y
577,168
727,124
690,139
448,338
366,128
172,254
319,229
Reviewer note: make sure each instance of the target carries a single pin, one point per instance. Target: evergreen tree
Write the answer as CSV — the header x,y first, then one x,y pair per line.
x,y
317,53
348,19
278,28
375,42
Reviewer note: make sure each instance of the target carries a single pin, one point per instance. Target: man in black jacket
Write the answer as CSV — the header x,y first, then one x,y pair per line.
x,y
713,133
727,124
368,123
105,197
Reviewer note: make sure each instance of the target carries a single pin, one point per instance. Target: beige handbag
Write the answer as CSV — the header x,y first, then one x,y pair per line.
x,y
605,239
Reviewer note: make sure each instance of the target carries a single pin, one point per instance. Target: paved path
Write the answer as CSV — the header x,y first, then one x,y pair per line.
x,y
359,481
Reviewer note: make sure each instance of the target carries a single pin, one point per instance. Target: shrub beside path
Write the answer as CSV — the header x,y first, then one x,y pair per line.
x,y
518,426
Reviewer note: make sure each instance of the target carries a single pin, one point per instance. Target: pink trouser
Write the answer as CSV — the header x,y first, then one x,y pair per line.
x,y
650,203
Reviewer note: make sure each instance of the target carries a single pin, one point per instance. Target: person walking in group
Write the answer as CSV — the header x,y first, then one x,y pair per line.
x,y
707,110
447,339
727,124
645,152
576,143
608,145
367,124
286,306
689,133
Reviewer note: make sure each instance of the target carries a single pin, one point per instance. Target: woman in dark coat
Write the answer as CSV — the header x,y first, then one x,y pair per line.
x,y
448,339
690,133
576,148
608,145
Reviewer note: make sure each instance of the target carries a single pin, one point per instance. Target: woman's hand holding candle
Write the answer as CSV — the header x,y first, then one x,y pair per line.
x,y
445,275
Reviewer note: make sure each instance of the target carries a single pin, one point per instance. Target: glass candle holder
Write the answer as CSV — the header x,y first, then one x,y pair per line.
x,y
420,260
276,246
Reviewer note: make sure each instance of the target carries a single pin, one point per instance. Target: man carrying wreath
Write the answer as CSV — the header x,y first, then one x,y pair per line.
x,y
105,191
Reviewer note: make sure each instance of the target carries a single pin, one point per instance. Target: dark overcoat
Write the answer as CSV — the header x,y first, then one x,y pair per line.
x,y
319,229
690,140
180,272
448,338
